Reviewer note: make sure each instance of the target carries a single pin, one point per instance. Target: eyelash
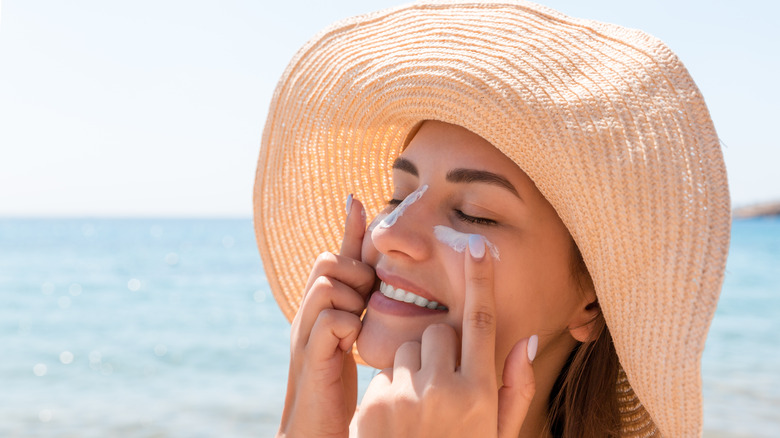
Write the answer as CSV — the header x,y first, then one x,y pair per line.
x,y
461,215
474,220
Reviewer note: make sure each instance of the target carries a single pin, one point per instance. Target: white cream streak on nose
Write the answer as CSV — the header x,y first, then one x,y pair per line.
x,y
413,197
459,241
376,221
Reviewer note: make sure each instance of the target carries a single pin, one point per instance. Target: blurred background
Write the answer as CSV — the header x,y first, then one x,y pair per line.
x,y
133,299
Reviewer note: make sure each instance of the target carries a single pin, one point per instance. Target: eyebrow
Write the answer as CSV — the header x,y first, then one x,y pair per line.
x,y
401,163
462,175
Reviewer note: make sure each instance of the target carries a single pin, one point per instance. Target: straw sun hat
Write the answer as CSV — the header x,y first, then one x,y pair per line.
x,y
605,120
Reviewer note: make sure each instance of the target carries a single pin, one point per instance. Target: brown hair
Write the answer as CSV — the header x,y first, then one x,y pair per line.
x,y
583,401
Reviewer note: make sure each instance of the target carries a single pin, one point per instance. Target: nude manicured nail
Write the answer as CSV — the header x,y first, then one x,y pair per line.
x,y
477,246
349,203
533,344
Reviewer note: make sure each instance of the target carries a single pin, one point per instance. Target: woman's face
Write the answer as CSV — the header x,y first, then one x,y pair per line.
x,y
472,188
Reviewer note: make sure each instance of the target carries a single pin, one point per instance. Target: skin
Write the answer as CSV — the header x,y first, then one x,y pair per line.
x,y
460,372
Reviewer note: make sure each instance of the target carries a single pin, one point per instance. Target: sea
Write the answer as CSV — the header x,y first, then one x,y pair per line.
x,y
167,328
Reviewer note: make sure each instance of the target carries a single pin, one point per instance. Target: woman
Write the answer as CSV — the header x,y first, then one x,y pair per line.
x,y
554,242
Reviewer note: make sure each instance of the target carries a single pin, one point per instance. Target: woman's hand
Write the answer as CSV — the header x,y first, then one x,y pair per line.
x,y
322,381
426,393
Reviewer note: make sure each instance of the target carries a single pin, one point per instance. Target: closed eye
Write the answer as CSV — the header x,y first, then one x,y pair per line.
x,y
474,220
461,215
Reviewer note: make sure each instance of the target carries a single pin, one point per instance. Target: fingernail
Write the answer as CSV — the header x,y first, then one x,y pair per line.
x,y
477,246
533,344
349,203
350,349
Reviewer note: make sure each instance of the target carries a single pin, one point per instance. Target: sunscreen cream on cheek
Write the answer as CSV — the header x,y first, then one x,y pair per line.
x,y
459,241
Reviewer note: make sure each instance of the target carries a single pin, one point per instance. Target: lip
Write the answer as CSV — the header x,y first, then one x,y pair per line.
x,y
380,303
396,281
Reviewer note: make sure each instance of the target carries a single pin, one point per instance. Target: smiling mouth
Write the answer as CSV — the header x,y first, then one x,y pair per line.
x,y
398,294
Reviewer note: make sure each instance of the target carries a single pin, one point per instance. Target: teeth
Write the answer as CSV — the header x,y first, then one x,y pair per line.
x,y
399,294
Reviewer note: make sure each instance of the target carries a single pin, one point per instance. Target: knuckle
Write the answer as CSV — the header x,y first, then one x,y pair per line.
x,y
324,259
322,264
372,409
481,280
321,287
322,282
482,319
407,402
435,393
327,317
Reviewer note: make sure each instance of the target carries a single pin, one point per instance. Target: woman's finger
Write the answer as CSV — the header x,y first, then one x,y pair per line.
x,y
407,360
440,345
333,332
359,276
479,315
354,229
514,397
326,293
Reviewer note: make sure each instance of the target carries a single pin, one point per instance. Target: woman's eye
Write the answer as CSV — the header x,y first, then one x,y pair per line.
x,y
394,202
474,220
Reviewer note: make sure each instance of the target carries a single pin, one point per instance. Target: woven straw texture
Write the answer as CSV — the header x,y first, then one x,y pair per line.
x,y
605,120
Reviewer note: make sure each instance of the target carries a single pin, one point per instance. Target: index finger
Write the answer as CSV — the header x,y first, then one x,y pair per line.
x,y
479,314
354,229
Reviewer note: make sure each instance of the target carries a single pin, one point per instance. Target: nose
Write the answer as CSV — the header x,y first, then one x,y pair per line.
x,y
405,231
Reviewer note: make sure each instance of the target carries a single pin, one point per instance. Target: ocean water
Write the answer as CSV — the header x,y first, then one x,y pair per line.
x,y
741,361
167,328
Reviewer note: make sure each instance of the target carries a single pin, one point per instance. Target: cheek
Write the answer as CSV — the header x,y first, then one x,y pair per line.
x,y
533,302
533,296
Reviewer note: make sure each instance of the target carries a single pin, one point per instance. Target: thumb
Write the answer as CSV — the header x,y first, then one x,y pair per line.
x,y
514,397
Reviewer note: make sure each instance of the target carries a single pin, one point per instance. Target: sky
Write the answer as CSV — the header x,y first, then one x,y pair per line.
x,y
156,108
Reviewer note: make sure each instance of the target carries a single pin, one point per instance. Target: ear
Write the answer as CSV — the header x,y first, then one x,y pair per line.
x,y
583,324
